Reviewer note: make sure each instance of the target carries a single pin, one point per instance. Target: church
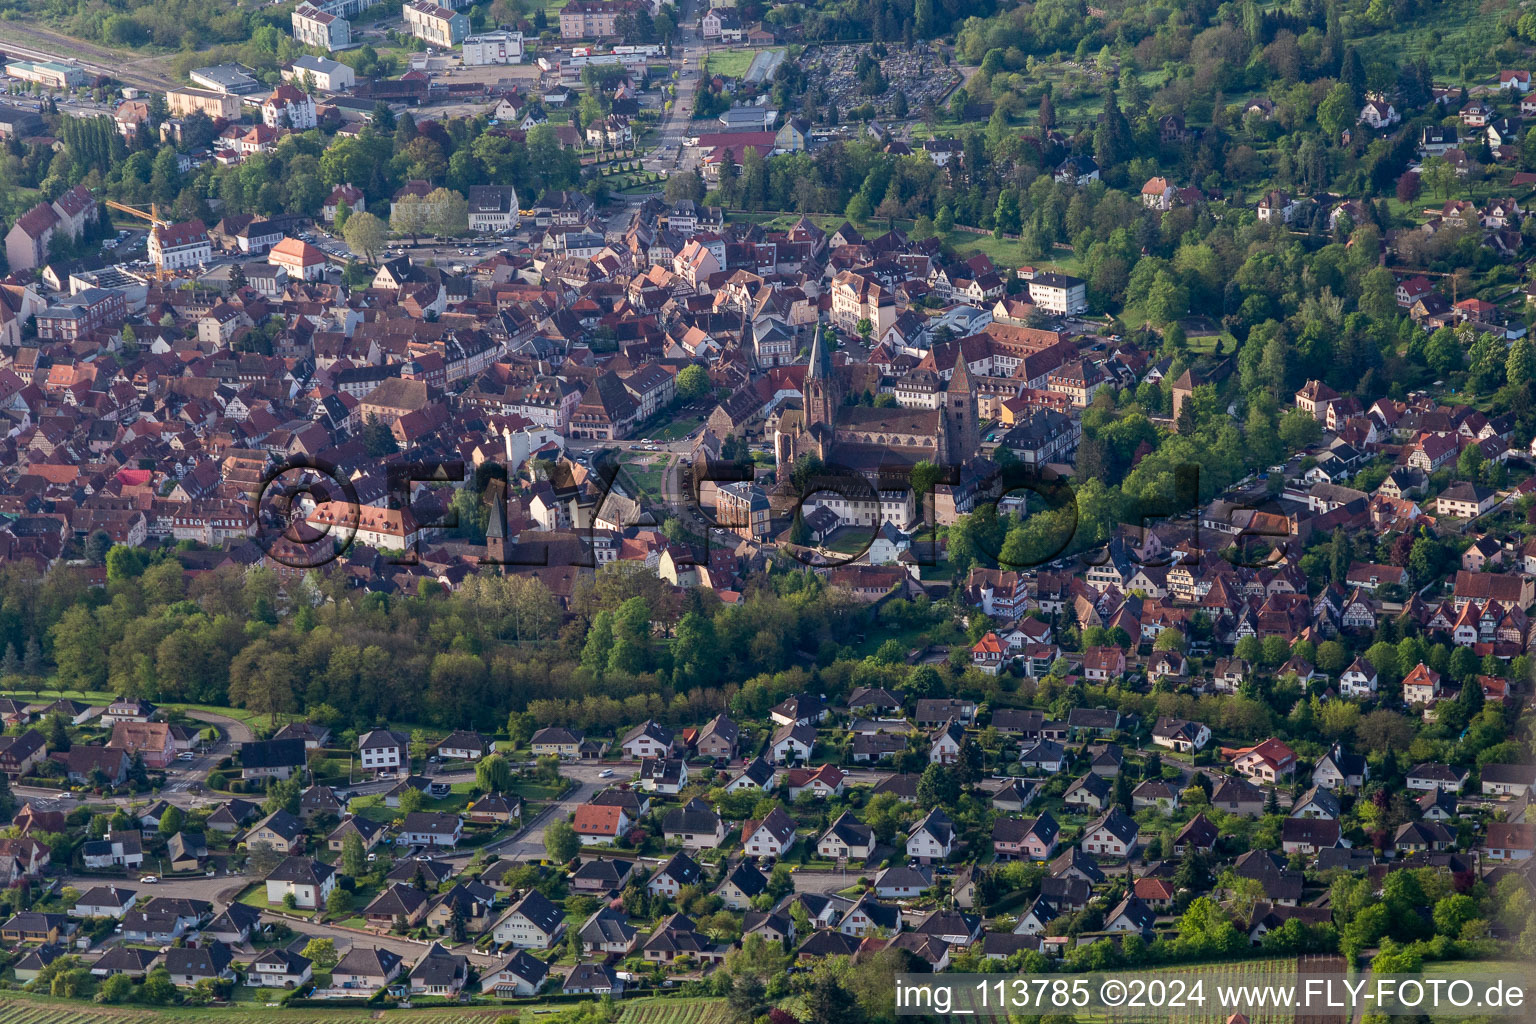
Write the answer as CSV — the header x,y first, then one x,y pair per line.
x,y
871,440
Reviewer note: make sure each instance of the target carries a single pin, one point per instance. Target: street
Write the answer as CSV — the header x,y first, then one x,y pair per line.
x,y
667,156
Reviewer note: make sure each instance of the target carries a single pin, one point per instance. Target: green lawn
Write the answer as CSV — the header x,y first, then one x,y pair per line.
x,y
676,430
729,63
256,896
103,697
541,791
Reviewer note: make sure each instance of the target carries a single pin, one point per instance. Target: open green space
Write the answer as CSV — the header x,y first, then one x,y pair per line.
x,y
729,63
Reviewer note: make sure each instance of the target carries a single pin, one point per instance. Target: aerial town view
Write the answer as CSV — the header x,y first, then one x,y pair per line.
x,y
815,512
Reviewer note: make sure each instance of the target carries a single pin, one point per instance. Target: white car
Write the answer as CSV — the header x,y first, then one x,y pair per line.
x,y
606,773
149,880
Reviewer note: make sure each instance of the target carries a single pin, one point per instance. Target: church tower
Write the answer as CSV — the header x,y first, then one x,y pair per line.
x,y
960,437
496,530
822,393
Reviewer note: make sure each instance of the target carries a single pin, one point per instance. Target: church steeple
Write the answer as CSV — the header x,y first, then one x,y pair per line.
x,y
496,530
960,428
822,394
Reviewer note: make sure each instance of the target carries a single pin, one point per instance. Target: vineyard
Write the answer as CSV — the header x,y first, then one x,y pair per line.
x,y
16,1008
675,1011
37,1011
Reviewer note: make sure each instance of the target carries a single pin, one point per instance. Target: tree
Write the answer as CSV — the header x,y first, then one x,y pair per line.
x,y
378,439
1112,139
692,382
354,860
171,820
1336,112
493,774
58,734
322,952
938,787
1439,176
561,842
365,234
448,212
409,217
1520,367
748,997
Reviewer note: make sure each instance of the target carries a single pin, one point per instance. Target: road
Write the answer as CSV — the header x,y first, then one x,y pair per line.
x,y
345,938
528,842
667,156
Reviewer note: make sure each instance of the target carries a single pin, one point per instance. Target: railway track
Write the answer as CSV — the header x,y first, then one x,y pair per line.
x,y
123,72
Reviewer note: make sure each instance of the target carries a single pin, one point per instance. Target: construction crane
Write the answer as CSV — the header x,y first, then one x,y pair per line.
x,y
155,221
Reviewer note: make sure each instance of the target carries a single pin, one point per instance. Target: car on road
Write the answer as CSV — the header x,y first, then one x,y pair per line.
x,y
185,755
606,773
149,880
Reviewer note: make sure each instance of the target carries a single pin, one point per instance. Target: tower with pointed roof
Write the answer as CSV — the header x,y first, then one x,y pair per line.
x,y
959,438
496,531
1183,391
822,392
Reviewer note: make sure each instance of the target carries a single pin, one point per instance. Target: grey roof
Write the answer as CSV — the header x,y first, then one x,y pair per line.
x,y
368,962
301,870
434,871
431,822
399,900
527,967
694,817
607,926
748,879
682,868
439,967
206,961
283,823
1119,824
539,911
904,876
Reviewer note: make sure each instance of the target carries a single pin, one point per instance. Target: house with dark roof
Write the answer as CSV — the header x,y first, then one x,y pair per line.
x,y
521,975
439,973
1113,833
608,930
210,961
365,969
679,871
308,881
695,825
533,922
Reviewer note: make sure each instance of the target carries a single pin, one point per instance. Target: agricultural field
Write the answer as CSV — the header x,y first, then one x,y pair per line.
x,y
20,1008
24,1008
675,1011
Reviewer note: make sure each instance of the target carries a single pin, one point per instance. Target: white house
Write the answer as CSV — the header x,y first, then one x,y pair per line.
x,y
279,968
533,922
308,881
770,836
931,839
384,750
847,839
1359,680
1112,833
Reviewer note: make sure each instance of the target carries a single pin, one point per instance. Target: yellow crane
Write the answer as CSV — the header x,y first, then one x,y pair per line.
x,y
155,220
